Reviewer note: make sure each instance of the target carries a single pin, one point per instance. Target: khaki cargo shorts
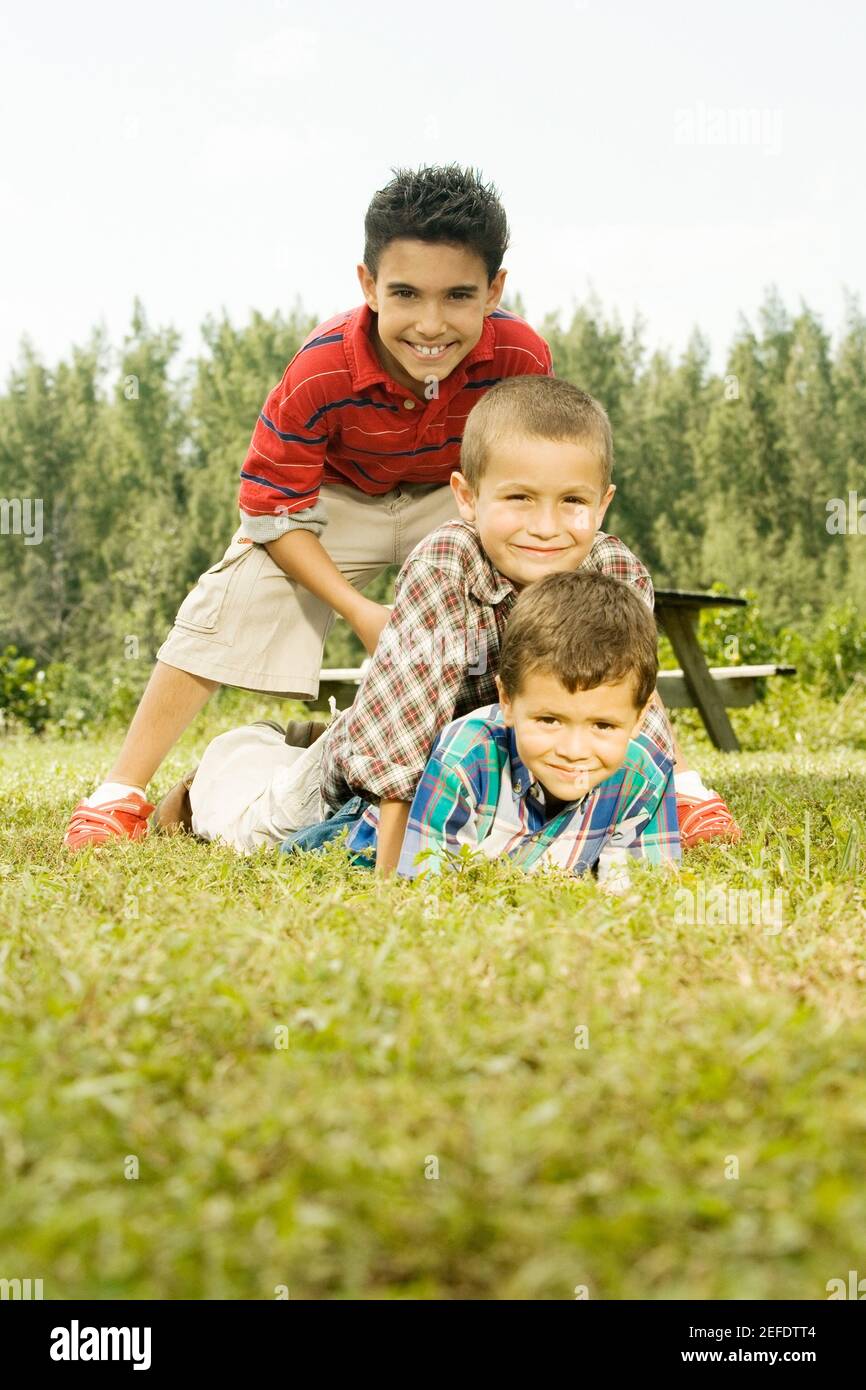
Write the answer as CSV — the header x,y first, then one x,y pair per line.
x,y
247,624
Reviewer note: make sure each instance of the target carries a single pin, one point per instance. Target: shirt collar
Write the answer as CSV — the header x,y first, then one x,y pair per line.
x,y
364,365
367,370
485,581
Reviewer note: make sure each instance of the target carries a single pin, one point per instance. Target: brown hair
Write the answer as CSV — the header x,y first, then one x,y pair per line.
x,y
584,628
540,407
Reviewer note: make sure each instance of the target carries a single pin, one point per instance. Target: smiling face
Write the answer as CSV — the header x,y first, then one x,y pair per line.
x,y
570,742
538,506
431,300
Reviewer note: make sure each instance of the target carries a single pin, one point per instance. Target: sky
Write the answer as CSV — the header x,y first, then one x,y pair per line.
x,y
672,159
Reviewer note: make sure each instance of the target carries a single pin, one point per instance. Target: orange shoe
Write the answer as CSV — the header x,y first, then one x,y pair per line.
x,y
705,820
125,819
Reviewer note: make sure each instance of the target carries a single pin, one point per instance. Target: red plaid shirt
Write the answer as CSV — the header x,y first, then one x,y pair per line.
x,y
435,661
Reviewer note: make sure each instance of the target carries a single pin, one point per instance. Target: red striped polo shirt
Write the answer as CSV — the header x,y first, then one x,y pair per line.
x,y
338,417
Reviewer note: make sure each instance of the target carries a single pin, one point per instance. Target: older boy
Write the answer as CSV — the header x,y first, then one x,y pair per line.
x,y
559,772
535,484
347,470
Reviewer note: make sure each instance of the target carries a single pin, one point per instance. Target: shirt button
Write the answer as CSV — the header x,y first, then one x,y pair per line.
x,y
409,405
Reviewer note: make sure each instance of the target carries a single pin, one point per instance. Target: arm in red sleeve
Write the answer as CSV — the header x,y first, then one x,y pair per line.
x,y
282,472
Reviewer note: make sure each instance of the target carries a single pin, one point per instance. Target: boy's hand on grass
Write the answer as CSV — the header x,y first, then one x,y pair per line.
x,y
369,622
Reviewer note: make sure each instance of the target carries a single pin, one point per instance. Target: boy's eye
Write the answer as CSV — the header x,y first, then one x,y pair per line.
x,y
547,719
577,501
455,294
516,497
600,724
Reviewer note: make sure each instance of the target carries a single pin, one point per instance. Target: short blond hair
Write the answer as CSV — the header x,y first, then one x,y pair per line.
x,y
538,407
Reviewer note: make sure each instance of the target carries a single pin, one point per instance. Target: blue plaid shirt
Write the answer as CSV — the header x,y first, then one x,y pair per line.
x,y
476,791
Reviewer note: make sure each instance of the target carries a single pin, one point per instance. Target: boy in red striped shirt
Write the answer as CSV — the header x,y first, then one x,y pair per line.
x,y
347,470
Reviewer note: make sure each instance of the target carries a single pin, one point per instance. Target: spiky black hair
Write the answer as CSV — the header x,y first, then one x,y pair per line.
x,y
438,203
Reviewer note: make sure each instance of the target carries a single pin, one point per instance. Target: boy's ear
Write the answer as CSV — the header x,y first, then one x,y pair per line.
x,y
504,702
494,291
605,503
368,288
641,715
463,496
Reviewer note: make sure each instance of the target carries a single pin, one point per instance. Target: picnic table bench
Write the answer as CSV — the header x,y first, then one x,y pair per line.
x,y
712,690
708,688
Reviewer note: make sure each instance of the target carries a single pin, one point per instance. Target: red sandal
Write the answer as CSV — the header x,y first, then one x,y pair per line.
x,y
705,820
124,819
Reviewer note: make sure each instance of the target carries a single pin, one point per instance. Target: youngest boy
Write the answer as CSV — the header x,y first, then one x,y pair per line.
x,y
562,771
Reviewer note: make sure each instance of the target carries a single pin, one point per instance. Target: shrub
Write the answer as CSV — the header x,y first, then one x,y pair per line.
x,y
24,698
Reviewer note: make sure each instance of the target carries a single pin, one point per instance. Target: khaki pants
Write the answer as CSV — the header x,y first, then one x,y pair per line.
x,y
247,624
251,788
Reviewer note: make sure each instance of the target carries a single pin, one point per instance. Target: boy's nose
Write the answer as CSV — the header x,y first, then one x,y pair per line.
x,y
544,523
572,746
430,325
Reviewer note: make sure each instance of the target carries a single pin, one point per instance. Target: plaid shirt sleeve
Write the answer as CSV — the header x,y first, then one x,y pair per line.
x,y
657,727
441,820
455,801
645,824
408,694
610,555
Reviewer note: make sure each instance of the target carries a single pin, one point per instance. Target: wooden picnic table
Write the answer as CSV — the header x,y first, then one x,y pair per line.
x,y
709,689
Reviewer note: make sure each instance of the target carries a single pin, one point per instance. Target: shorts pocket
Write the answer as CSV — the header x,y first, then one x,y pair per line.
x,y
204,605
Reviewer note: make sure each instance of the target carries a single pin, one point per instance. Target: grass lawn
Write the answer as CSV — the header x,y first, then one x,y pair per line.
x,y
219,1076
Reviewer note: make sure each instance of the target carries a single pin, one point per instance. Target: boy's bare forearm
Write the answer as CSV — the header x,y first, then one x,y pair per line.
x,y
393,819
302,557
